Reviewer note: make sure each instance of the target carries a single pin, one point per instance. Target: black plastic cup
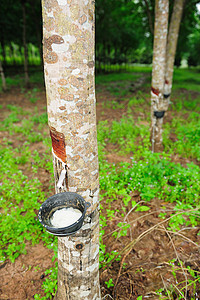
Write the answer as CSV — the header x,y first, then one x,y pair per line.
x,y
59,201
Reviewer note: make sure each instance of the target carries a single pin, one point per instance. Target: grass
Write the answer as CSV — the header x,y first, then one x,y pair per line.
x,y
149,174
116,77
188,79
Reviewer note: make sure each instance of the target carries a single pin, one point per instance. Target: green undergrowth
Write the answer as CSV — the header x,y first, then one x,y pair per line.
x,y
150,175
188,79
21,193
154,177
117,84
187,136
30,126
116,78
130,136
20,200
188,286
35,76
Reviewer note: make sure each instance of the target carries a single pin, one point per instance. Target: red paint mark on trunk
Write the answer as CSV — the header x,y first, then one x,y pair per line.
x,y
155,91
166,81
58,144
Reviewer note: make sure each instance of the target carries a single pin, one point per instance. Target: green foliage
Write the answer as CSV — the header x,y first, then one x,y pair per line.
x,y
178,290
109,283
187,136
125,134
120,30
116,78
194,44
20,195
40,119
32,95
186,79
123,230
20,200
156,177
49,285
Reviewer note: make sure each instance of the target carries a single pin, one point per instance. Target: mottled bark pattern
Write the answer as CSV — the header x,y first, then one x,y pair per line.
x,y
68,43
79,260
158,102
171,45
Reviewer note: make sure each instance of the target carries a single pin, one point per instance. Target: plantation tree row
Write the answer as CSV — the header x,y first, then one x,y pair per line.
x,y
164,50
124,31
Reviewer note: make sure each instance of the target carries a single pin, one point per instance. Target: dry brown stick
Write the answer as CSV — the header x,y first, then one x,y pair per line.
x,y
120,269
141,217
177,256
165,287
143,234
179,291
130,246
181,235
131,287
132,209
148,214
107,295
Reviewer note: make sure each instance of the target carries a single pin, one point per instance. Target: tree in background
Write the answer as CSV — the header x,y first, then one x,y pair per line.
x,y
188,27
11,34
4,87
171,46
120,33
124,32
194,41
158,103
68,47
23,2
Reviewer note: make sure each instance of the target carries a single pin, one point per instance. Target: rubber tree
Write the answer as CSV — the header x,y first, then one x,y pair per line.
x,y
24,37
68,52
158,103
171,46
4,87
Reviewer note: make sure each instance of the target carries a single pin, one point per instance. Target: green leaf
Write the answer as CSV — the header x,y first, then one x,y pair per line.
x,y
143,208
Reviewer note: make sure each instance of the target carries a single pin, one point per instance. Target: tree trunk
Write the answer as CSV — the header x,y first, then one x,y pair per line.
x,y
158,103
37,30
3,52
68,49
25,45
149,16
4,87
171,46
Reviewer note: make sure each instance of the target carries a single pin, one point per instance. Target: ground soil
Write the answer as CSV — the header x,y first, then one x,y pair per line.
x,y
146,262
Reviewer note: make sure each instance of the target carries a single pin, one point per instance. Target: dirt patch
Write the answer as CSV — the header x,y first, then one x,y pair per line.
x,y
22,279
146,262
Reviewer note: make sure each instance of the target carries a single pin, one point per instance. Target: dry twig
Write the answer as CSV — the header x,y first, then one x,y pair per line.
x,y
177,256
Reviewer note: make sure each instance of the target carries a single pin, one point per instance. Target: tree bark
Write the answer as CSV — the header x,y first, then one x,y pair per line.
x,y
171,46
3,51
158,103
25,45
4,87
37,29
68,49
